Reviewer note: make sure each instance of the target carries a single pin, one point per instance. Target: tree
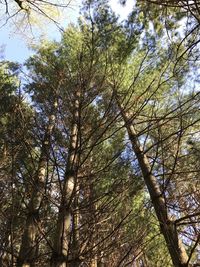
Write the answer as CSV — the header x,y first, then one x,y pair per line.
x,y
159,202
15,121
107,167
26,15
176,19
188,7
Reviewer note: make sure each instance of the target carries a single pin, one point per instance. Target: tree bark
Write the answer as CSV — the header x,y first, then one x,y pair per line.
x,y
94,230
75,233
167,226
61,240
29,245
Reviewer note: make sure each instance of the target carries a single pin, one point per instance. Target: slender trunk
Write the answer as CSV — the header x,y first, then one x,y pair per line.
x,y
29,245
168,229
94,230
75,246
61,240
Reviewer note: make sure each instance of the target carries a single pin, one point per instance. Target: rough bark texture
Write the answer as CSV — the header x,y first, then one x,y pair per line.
x,y
93,230
75,246
168,229
61,240
29,245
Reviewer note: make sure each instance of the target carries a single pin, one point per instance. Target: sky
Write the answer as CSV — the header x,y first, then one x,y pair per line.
x,y
14,42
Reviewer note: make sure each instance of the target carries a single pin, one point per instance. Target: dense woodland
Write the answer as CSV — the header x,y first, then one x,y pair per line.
x,y
99,143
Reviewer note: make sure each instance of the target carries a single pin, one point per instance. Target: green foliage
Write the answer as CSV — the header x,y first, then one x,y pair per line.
x,y
82,74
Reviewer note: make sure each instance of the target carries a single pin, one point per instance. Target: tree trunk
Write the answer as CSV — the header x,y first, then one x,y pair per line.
x,y
29,245
75,235
94,230
61,240
168,229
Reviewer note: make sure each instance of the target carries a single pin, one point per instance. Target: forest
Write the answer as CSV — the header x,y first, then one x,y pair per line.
x,y
100,141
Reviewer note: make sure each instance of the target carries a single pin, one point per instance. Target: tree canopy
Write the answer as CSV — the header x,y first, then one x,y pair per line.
x,y
99,147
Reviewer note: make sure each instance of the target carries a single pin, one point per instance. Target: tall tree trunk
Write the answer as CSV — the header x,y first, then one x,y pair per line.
x,y
93,213
167,226
61,240
75,246
29,245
